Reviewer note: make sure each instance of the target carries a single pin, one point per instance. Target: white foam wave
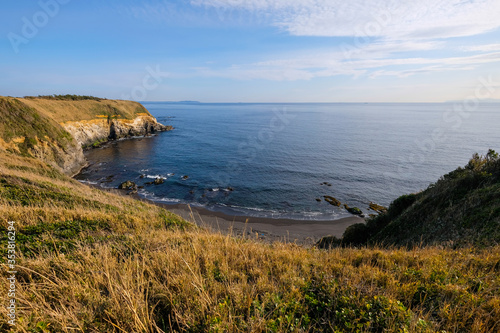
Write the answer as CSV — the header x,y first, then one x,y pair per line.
x,y
88,182
153,197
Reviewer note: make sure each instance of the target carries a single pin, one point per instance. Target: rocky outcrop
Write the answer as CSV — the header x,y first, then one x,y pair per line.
x,y
69,159
56,131
332,201
91,132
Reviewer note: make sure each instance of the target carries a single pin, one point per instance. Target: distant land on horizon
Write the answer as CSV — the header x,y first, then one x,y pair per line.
x,y
487,100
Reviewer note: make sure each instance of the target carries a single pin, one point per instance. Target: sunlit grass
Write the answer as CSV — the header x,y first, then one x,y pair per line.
x,y
93,261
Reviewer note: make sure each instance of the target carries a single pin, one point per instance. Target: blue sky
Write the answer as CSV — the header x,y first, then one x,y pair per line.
x,y
251,50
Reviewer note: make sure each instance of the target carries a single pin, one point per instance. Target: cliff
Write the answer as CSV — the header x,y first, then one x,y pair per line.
x,y
57,130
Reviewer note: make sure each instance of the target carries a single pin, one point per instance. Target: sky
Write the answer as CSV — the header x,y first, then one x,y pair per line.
x,y
252,50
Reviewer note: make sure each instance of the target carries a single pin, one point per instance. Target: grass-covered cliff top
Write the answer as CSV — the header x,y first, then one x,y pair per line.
x,y
23,124
93,261
65,108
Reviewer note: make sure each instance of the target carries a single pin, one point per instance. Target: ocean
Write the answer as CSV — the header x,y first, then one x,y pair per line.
x,y
276,160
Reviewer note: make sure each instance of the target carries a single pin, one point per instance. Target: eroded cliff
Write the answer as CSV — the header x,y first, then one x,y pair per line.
x,y
56,131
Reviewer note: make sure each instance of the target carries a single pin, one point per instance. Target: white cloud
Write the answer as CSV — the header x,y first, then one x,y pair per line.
x,y
333,64
482,48
390,19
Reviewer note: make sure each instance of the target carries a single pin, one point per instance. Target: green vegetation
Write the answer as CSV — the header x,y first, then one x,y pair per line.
x,y
80,108
21,121
460,209
67,97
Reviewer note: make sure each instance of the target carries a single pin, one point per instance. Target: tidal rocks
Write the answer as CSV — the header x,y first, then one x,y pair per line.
x,y
159,181
326,183
353,210
332,201
318,199
185,177
379,209
128,185
142,176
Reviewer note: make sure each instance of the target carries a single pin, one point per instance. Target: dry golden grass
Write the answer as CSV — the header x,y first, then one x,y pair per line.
x,y
66,110
92,261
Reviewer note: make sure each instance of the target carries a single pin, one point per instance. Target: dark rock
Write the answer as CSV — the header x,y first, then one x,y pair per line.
x,y
185,177
140,186
142,176
159,181
379,209
132,192
332,201
148,183
230,189
318,199
128,185
353,210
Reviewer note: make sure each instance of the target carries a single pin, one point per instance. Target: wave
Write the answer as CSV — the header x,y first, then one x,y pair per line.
x,y
151,196
159,176
88,182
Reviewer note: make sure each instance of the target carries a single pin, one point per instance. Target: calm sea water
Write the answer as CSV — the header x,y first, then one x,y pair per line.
x,y
275,157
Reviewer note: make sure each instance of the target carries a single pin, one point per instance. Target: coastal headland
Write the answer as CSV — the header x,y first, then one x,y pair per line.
x,y
78,258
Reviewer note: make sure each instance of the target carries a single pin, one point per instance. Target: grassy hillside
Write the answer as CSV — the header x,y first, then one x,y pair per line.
x,y
77,109
92,261
462,208
21,125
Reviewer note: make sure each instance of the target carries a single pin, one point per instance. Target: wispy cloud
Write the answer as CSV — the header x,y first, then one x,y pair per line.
x,y
482,48
381,32
390,19
384,38
334,63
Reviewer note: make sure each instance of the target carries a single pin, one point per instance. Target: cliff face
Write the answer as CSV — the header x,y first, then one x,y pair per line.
x,y
56,131
27,132
89,132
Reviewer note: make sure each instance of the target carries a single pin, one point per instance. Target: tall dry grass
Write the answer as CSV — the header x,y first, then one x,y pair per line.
x,y
98,262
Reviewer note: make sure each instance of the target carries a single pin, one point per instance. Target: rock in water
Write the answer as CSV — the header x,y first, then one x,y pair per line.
x,y
128,185
185,177
379,209
332,201
159,181
353,210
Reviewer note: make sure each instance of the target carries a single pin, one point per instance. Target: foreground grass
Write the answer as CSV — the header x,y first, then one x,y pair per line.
x,y
97,262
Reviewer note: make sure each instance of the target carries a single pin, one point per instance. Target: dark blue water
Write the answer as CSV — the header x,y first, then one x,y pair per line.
x,y
275,157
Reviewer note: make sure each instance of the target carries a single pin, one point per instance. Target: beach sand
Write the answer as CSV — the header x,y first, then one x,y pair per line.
x,y
265,229
304,232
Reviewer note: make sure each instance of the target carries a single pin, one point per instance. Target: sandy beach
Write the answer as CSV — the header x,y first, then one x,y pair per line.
x,y
265,229
304,232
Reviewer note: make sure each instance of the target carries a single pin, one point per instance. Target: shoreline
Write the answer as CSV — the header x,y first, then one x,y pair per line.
x,y
303,232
